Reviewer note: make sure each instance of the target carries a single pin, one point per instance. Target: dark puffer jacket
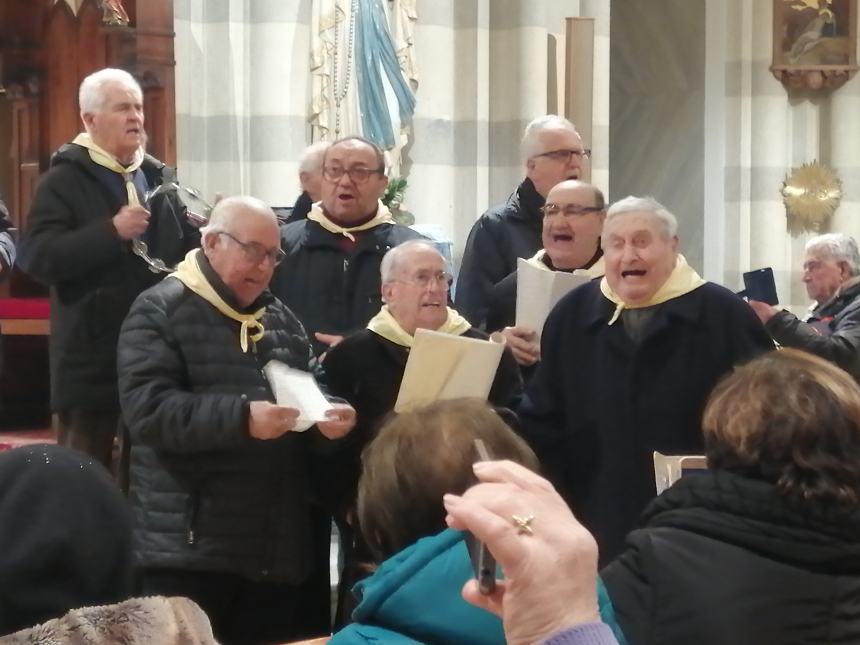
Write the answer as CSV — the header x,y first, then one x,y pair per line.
x,y
727,559
205,495
71,245
329,290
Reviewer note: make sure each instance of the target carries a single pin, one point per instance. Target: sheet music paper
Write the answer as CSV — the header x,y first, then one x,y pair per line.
x,y
297,389
538,291
445,366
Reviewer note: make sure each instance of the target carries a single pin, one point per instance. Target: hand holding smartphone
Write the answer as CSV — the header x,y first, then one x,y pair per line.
x,y
483,562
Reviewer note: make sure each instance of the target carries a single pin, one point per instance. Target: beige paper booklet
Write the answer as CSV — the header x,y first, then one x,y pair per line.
x,y
538,291
444,366
297,389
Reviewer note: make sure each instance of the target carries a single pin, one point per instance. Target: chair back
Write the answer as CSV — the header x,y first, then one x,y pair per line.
x,y
670,468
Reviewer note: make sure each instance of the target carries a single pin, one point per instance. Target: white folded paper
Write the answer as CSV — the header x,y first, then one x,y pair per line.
x,y
297,389
445,366
539,290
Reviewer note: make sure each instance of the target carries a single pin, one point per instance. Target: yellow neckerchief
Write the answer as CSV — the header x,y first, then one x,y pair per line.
x,y
383,216
386,326
107,160
596,270
682,280
188,272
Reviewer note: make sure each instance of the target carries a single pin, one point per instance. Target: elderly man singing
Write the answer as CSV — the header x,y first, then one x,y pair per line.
x,y
831,273
628,362
572,222
367,367
219,483
83,239
330,275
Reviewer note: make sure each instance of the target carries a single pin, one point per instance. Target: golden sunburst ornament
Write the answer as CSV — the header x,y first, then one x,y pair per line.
x,y
811,195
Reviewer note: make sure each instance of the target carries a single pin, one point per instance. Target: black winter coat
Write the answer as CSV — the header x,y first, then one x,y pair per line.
x,y
205,495
329,290
71,245
501,235
726,559
366,370
599,405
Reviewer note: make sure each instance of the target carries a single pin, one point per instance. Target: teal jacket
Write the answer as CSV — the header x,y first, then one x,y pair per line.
x,y
414,598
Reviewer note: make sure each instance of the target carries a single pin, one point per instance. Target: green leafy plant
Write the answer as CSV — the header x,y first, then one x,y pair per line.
x,y
393,198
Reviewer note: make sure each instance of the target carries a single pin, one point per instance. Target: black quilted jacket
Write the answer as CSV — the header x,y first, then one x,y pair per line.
x,y
205,495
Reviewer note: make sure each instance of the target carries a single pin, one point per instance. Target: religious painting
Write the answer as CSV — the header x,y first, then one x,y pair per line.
x,y
814,41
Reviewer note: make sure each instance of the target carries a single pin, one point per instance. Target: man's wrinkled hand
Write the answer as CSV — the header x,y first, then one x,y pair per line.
x,y
524,344
340,421
131,222
270,421
763,310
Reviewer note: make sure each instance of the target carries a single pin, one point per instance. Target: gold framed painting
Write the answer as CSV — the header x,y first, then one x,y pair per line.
x,y
814,43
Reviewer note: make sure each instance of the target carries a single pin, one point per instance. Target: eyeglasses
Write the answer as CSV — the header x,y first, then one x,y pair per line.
x,y
564,155
571,210
426,279
256,253
358,175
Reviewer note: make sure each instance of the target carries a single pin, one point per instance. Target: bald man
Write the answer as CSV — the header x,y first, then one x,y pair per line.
x,y
218,482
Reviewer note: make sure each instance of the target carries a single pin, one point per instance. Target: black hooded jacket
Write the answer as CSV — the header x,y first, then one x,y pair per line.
x,y
72,246
728,559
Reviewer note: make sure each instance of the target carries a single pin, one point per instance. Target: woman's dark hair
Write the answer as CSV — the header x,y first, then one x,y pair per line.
x,y
791,419
419,456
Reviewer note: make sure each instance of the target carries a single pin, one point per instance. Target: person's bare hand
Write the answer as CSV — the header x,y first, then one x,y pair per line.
x,y
341,420
763,310
131,221
550,573
328,339
270,421
524,344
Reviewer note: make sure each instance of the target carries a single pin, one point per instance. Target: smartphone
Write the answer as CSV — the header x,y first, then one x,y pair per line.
x,y
483,562
759,285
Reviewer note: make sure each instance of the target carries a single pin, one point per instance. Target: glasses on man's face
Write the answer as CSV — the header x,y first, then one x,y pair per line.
x,y
565,154
357,175
568,210
256,253
426,279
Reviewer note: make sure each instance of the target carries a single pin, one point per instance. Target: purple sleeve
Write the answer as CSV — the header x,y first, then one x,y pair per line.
x,y
587,634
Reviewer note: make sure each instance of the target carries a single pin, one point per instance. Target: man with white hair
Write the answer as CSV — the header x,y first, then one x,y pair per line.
x,y
367,368
310,179
552,151
219,481
627,364
83,239
831,273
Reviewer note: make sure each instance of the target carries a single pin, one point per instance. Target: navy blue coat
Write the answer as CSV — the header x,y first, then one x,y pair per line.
x,y
599,405
329,290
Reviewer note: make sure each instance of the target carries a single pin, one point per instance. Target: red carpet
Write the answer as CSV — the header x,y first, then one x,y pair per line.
x,y
14,439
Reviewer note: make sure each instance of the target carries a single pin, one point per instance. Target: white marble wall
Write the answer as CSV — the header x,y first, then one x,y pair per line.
x,y
759,133
656,106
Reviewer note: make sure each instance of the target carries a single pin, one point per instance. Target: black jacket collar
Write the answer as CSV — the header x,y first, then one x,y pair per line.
x,y
530,202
